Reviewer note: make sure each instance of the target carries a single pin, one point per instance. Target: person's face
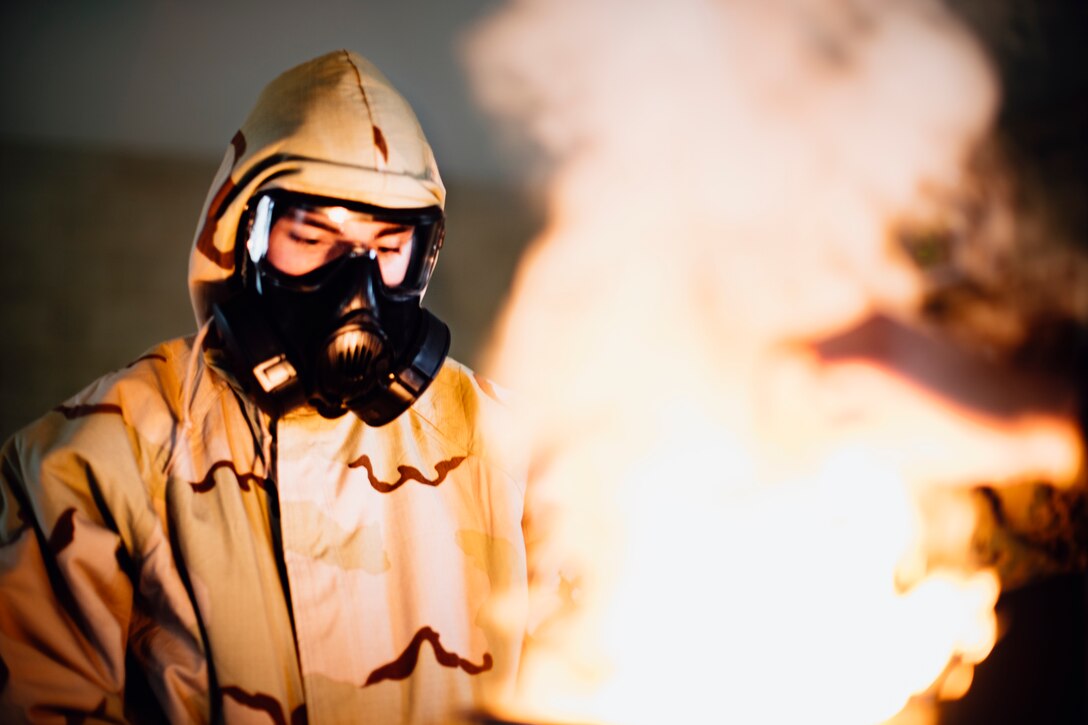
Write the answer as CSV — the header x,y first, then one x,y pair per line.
x,y
302,240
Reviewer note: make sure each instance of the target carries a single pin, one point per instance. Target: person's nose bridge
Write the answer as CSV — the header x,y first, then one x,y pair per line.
x,y
359,247
367,272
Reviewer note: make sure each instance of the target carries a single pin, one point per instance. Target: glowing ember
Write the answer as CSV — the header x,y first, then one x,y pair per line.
x,y
724,522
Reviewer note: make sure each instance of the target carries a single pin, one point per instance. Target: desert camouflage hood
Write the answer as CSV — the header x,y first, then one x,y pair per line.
x,y
333,126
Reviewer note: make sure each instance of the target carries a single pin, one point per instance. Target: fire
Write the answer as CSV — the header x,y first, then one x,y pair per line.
x,y
725,521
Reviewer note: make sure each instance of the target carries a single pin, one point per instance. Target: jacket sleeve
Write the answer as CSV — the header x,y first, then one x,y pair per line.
x,y
65,597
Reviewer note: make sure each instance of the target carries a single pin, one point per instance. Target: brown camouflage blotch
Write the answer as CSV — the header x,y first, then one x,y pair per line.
x,y
238,141
63,531
71,412
257,701
205,243
379,141
244,479
405,665
406,473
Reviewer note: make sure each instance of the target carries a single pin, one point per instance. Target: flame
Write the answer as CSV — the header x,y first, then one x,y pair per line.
x,y
723,522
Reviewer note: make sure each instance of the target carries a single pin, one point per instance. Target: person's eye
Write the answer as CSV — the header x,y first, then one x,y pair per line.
x,y
390,250
300,239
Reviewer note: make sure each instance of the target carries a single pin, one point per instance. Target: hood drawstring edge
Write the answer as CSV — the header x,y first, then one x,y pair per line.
x,y
188,389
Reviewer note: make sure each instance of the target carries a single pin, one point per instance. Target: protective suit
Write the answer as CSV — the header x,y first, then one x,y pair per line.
x,y
168,549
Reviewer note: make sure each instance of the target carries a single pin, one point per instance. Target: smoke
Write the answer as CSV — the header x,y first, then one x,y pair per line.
x,y
717,516
728,169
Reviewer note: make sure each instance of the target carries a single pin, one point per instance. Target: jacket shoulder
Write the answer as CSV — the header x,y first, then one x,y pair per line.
x,y
143,397
474,414
97,441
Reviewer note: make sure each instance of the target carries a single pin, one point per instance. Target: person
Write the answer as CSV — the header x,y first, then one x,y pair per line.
x,y
297,513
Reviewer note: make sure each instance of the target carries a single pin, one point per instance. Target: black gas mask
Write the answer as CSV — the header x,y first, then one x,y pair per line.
x,y
327,310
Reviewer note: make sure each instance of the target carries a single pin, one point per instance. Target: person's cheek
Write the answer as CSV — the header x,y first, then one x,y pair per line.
x,y
393,269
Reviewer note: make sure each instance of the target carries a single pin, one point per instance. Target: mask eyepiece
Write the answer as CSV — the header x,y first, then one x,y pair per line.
x,y
330,290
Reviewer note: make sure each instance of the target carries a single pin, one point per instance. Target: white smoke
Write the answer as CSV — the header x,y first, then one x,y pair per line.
x,y
724,179
722,171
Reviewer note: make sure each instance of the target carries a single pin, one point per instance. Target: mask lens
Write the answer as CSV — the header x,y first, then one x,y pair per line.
x,y
295,238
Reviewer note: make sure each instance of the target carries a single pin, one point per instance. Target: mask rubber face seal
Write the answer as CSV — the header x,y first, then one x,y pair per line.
x,y
337,336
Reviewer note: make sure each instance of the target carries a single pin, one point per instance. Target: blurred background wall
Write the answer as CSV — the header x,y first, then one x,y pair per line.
x,y
115,116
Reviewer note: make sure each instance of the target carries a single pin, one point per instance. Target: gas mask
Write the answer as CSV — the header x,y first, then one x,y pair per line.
x,y
328,307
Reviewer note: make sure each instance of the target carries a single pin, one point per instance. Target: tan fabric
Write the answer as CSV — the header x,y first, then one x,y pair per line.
x,y
333,126
140,521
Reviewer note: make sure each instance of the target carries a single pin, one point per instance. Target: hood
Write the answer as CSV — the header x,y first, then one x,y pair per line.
x,y
333,126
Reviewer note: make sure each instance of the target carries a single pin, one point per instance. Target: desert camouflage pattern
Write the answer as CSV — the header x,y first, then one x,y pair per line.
x,y
170,553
